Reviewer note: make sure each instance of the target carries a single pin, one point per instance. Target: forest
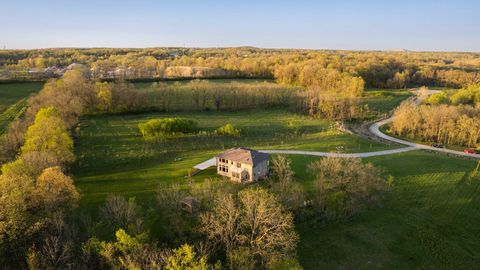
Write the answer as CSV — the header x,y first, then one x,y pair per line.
x,y
378,69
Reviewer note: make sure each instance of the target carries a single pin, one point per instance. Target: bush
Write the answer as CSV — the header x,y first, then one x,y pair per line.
x,y
440,98
167,126
229,130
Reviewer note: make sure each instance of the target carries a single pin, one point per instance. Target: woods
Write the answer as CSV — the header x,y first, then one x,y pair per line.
x,y
446,124
378,69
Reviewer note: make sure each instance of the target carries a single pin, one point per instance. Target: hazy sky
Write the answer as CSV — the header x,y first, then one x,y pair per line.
x,y
363,24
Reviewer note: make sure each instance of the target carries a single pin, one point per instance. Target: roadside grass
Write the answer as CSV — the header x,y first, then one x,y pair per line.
x,y
429,219
112,156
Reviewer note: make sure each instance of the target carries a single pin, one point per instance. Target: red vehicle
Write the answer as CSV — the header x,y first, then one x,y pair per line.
x,y
469,151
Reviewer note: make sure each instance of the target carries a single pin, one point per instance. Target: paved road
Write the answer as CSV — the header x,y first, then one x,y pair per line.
x,y
211,162
374,129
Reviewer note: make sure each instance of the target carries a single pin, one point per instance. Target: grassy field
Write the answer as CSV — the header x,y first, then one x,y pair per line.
x,y
11,93
382,101
112,157
13,100
429,220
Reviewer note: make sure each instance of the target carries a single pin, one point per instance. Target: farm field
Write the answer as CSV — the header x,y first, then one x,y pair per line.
x,y
112,157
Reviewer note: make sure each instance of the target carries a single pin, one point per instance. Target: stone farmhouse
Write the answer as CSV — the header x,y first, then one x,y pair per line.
x,y
243,165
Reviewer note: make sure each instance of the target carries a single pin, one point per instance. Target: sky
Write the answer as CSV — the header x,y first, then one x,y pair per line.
x,y
421,25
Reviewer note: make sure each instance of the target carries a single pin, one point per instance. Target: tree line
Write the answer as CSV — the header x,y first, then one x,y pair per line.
x,y
446,124
377,69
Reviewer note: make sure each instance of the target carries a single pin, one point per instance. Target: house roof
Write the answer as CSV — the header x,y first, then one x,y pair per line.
x,y
244,155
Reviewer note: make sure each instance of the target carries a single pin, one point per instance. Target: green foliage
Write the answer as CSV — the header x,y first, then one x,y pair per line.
x,y
48,134
167,127
468,95
228,129
439,98
285,264
241,259
345,185
185,258
104,96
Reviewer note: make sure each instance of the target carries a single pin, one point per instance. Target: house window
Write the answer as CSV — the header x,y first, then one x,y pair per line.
x,y
223,168
239,165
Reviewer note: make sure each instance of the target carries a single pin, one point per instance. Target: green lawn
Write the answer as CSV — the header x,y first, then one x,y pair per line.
x,y
112,157
429,220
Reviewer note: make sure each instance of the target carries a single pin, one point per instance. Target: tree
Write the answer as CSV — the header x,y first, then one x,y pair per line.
x,y
289,193
104,96
29,206
185,258
54,191
49,135
254,219
120,213
345,185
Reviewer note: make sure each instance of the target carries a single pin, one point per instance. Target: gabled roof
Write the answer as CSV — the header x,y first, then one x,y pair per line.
x,y
244,155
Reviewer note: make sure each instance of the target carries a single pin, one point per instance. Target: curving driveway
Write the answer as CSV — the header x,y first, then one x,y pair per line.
x,y
211,162
374,129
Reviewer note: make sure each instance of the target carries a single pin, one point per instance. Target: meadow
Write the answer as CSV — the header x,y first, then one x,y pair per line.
x,y
428,219
112,156
382,101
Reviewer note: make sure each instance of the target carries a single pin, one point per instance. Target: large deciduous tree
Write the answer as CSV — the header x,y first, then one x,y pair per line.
x,y
252,220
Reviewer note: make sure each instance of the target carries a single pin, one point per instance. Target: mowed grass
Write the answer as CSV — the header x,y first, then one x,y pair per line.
x,y
112,157
429,219
11,93
13,101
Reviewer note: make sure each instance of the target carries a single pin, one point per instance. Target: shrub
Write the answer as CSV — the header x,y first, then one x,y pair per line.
x,y
440,98
167,126
228,129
